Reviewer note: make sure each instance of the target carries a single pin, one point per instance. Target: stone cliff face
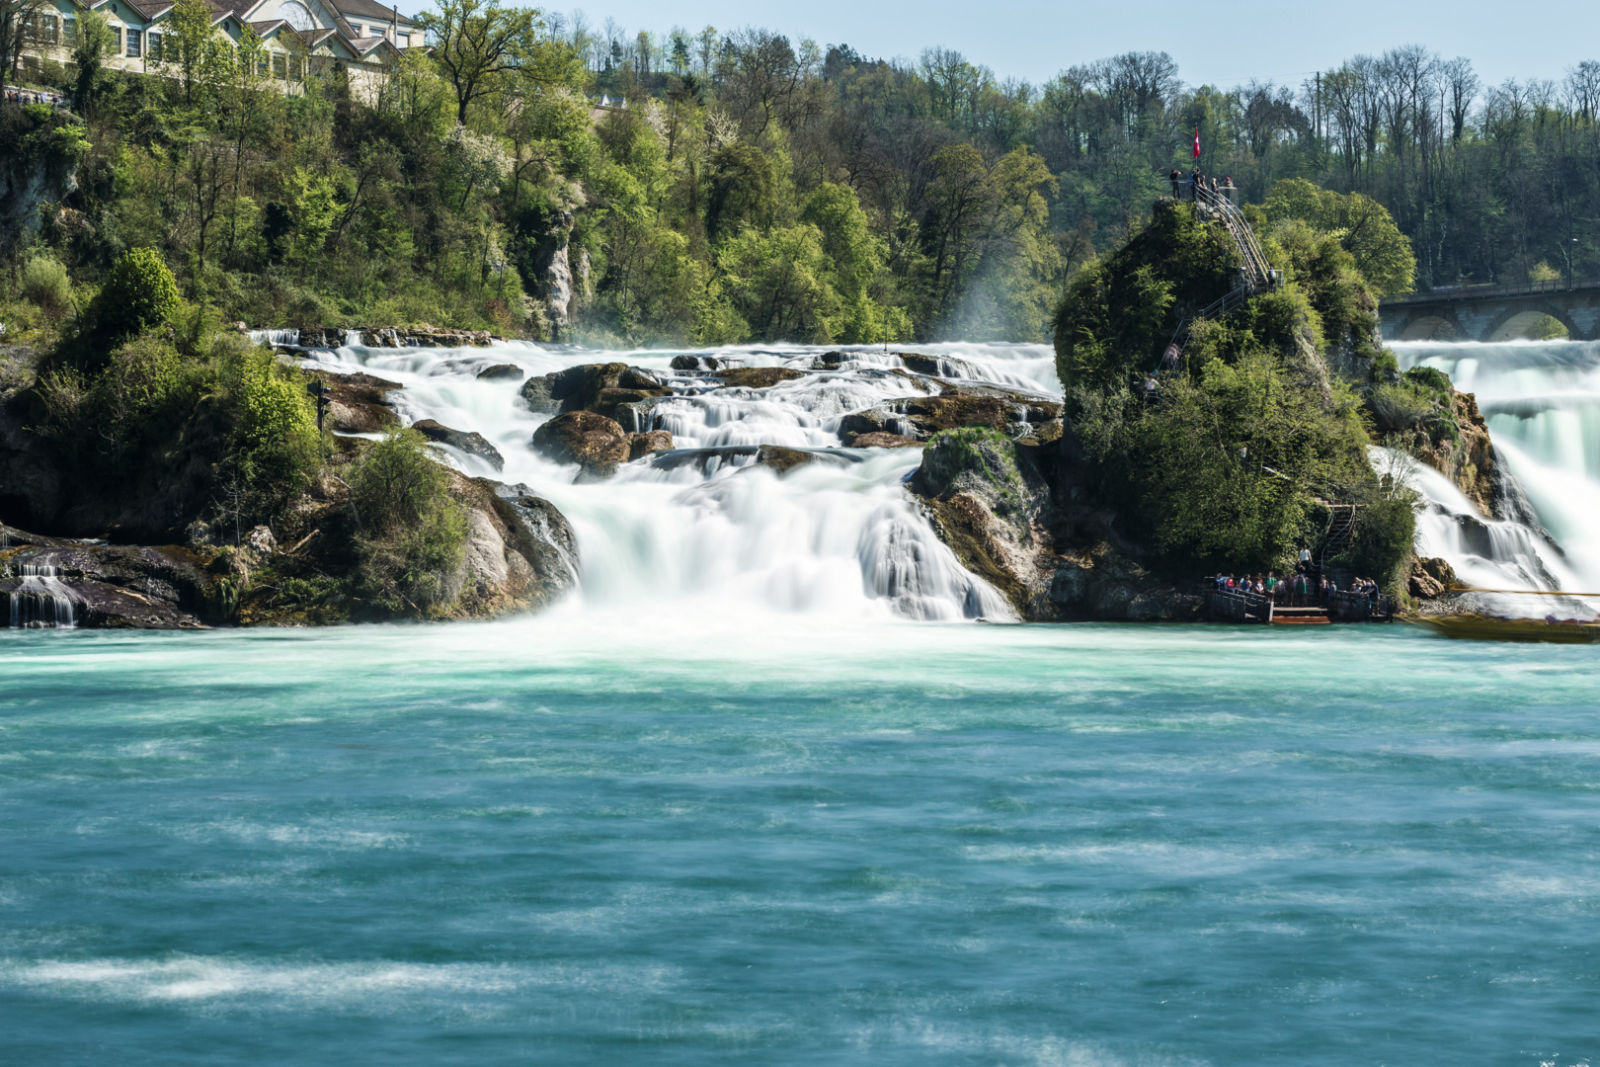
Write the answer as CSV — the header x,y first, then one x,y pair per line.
x,y
1468,460
1016,514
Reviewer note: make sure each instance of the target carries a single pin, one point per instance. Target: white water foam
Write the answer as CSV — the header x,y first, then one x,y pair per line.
x,y
1541,400
840,537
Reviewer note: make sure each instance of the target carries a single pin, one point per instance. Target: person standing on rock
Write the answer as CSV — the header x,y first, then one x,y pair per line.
x,y
1176,178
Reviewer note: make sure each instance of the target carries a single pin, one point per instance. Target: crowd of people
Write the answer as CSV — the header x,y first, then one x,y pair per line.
x,y
1307,587
1195,181
30,96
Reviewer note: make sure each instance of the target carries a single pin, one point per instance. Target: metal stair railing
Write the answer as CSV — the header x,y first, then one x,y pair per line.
x,y
1258,273
1257,268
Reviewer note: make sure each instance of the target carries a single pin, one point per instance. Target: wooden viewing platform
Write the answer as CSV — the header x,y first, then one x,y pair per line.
x,y
1229,606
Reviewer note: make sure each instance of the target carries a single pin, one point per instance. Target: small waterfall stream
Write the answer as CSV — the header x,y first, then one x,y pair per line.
x,y
839,537
41,600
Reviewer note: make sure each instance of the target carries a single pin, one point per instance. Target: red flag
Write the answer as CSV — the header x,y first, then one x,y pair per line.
x,y
1197,142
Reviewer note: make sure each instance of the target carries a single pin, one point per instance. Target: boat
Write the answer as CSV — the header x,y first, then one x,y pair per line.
x,y
1486,628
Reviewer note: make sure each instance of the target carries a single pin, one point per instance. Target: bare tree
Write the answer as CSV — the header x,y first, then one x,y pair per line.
x,y
24,25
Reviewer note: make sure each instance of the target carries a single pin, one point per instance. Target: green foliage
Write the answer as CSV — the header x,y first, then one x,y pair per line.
x,y
1224,470
778,283
412,534
139,292
1364,227
1120,313
140,399
45,283
273,446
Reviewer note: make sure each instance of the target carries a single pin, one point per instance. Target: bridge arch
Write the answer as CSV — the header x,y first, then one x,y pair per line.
x,y
1430,326
1516,323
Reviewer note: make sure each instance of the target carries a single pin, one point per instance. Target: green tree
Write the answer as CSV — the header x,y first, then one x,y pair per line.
x,y
191,42
1364,227
477,44
139,293
412,535
88,57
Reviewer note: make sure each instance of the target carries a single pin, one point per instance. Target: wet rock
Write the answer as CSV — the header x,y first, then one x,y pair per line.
x,y
696,363
878,439
594,442
542,535
757,377
118,586
783,460
645,444
602,388
1015,414
260,541
359,403
920,364
501,372
472,444
709,460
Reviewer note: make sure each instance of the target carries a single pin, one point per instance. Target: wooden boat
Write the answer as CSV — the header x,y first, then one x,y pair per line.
x,y
1484,628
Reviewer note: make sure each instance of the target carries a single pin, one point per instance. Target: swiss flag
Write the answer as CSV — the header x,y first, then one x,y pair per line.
x,y
1197,142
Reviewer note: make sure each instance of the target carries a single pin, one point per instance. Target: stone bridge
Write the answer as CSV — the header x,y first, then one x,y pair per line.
x,y
1492,312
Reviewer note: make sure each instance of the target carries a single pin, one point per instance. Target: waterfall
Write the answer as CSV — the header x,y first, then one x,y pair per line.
x,y
41,599
1541,400
714,532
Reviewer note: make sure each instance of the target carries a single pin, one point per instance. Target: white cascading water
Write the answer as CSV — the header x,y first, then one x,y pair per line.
x,y
840,537
1541,400
41,600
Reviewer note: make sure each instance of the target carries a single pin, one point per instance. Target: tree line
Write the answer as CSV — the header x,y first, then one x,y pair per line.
x,y
711,187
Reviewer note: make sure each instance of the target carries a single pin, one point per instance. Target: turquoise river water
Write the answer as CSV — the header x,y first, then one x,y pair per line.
x,y
600,837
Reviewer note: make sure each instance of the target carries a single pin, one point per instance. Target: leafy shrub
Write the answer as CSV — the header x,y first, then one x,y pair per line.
x,y
273,447
412,535
140,398
139,292
45,283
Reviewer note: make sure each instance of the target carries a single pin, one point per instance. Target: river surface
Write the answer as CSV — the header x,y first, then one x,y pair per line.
x,y
609,837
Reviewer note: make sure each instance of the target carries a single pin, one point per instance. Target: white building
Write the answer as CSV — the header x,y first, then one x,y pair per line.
x,y
299,38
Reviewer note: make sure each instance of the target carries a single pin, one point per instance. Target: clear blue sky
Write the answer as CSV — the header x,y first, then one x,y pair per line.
x,y
1218,43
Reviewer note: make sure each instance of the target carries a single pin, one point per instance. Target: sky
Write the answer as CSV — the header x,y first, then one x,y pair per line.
x,y
1218,43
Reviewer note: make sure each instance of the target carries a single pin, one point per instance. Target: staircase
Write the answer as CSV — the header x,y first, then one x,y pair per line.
x,y
1341,527
1258,275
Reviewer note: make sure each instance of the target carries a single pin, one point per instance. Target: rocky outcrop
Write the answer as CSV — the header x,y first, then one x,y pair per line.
x,y
472,444
520,552
501,372
602,388
542,535
110,586
774,457
423,336
696,363
1018,416
1431,578
645,444
757,377
882,440
1012,514
359,403
783,460
597,444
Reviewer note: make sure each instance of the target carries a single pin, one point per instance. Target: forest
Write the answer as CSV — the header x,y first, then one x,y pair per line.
x,y
709,187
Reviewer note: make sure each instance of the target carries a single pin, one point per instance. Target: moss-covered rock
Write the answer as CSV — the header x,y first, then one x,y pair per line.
x,y
597,444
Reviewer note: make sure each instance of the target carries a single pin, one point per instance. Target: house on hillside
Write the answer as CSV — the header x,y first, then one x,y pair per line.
x,y
299,38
